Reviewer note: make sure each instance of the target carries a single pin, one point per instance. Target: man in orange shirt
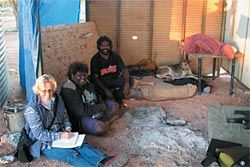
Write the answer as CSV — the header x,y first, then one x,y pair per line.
x,y
109,73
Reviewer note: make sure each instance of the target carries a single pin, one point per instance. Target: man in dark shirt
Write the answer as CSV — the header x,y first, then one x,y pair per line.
x,y
87,112
108,72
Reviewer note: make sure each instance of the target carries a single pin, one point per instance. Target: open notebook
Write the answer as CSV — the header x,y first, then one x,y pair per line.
x,y
75,141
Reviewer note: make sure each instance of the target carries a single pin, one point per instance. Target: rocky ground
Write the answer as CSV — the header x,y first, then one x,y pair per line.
x,y
147,139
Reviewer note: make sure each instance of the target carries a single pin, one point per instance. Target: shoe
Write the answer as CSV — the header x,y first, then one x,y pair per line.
x,y
117,161
123,105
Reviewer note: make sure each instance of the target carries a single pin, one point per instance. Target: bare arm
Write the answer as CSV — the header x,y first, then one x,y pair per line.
x,y
99,83
126,86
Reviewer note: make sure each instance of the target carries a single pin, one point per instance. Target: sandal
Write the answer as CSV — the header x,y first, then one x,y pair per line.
x,y
117,161
123,105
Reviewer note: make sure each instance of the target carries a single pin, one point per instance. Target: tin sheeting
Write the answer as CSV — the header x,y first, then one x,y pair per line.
x,y
4,84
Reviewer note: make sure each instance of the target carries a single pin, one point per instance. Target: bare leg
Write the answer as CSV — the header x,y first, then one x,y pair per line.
x,y
113,109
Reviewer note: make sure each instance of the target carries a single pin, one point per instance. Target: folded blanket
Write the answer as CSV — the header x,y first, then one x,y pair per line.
x,y
153,89
200,43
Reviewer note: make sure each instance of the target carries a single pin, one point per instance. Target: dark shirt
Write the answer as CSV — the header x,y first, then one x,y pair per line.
x,y
107,69
79,101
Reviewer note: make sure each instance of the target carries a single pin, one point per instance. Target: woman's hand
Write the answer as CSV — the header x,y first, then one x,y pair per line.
x,y
66,135
68,129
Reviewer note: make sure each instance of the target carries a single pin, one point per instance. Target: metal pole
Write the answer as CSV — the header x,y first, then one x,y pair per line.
x,y
39,69
199,75
232,77
151,26
204,13
118,25
214,65
87,10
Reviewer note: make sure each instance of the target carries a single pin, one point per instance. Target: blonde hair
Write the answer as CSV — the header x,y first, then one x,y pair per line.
x,y
41,80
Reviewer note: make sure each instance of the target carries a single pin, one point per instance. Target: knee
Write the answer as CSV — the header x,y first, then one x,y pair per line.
x,y
114,110
101,129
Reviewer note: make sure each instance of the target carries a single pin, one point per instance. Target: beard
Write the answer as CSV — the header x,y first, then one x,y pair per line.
x,y
105,51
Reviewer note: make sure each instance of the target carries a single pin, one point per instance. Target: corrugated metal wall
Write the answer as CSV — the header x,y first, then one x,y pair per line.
x,y
237,32
122,21
159,26
167,31
134,30
105,14
4,83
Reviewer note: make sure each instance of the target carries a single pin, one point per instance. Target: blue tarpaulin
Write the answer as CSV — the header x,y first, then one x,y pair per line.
x,y
52,12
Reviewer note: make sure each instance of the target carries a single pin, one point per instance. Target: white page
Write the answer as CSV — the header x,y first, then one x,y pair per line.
x,y
70,141
78,142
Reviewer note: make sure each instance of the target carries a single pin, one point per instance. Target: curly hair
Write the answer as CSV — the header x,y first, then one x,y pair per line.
x,y
102,39
43,79
77,67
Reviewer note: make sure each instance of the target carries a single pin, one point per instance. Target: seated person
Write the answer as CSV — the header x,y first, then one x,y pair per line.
x,y
108,72
46,122
87,112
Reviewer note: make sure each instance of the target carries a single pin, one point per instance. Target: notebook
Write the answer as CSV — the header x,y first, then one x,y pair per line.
x,y
75,141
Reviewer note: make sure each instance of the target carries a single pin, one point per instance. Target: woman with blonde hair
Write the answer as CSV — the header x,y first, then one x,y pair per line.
x,y
47,120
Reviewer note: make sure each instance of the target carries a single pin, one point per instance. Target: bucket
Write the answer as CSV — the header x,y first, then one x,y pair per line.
x,y
13,116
